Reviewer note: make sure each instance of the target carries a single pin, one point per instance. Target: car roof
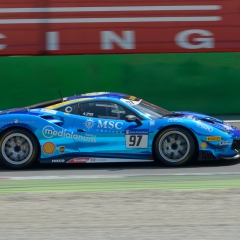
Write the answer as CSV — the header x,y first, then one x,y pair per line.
x,y
78,98
97,94
86,97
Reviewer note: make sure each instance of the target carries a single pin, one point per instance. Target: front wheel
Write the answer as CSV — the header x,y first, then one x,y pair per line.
x,y
18,149
174,147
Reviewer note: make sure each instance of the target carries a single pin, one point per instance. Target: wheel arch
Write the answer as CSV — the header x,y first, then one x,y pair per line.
x,y
179,126
26,129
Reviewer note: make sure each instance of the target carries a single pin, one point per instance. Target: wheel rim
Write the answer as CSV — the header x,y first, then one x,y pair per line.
x,y
174,146
17,148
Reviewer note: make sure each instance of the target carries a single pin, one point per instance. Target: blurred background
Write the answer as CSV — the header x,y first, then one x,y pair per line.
x,y
181,55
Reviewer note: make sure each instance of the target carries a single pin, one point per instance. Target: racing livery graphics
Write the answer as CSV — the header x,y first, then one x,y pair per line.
x,y
111,127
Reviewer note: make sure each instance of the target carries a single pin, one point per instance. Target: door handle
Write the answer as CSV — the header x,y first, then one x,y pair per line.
x,y
80,130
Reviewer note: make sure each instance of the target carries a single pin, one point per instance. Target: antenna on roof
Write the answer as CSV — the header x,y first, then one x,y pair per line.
x,y
74,93
60,94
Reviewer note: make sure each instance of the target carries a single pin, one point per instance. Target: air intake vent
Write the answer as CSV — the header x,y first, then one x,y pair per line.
x,y
207,120
52,119
206,155
47,117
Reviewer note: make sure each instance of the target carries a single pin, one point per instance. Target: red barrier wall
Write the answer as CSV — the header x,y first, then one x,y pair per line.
x,y
34,27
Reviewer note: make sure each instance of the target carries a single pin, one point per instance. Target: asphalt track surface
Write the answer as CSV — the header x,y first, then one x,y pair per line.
x,y
223,167
89,204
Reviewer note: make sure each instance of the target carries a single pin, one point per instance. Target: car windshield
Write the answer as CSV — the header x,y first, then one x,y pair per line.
x,y
150,110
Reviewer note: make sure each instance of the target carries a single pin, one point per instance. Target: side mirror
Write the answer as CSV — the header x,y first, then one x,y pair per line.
x,y
132,118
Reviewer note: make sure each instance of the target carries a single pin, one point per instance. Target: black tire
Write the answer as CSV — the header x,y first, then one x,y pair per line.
x,y
18,148
174,147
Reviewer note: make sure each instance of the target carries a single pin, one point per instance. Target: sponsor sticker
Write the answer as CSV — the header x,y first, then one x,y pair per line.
x,y
213,138
68,109
225,143
175,119
89,123
88,114
130,102
191,117
81,160
110,124
61,149
203,145
50,132
48,147
152,123
58,160
204,126
136,138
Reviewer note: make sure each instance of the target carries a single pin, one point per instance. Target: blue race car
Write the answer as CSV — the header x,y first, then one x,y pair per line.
x,y
111,127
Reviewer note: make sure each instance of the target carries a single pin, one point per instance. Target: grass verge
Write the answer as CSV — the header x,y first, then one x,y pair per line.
x,y
118,184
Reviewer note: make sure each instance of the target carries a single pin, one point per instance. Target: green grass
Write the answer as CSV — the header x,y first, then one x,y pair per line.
x,y
120,184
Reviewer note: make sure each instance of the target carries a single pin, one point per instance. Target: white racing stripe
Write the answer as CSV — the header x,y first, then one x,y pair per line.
x,y
110,20
117,176
111,9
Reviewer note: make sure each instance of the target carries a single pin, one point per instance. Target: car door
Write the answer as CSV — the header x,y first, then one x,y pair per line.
x,y
104,132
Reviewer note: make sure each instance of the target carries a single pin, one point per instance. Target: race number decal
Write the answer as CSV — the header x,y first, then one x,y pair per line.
x,y
136,139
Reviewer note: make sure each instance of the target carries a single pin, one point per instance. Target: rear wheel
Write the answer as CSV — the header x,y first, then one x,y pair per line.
x,y
18,149
174,147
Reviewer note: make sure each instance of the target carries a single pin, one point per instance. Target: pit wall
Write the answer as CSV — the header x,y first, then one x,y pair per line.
x,y
202,82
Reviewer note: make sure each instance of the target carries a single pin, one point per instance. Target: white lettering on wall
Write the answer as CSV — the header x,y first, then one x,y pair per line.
x,y
2,46
126,41
205,41
52,41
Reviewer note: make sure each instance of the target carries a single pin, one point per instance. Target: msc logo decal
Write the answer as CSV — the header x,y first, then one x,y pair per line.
x,y
90,123
110,124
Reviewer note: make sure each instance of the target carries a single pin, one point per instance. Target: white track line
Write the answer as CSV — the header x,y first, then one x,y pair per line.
x,y
110,20
111,9
115,176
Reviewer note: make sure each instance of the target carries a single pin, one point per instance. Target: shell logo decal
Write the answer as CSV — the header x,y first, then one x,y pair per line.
x,y
48,147
203,145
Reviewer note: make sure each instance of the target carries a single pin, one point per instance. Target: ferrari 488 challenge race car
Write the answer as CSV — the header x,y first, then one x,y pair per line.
x,y
111,127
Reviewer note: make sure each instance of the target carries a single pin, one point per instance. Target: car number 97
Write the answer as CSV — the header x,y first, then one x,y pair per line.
x,y
136,141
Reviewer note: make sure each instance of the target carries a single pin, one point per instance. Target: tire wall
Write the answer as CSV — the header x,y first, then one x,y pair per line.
x,y
204,82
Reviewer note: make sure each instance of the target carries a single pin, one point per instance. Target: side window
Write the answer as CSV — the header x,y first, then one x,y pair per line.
x,y
106,110
71,109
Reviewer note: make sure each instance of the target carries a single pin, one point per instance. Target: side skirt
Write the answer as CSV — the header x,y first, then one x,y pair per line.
x,y
92,160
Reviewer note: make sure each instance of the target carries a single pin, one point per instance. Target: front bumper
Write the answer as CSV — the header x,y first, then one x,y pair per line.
x,y
229,157
207,155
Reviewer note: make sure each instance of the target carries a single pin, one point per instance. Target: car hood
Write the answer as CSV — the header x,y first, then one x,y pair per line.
x,y
12,110
218,123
